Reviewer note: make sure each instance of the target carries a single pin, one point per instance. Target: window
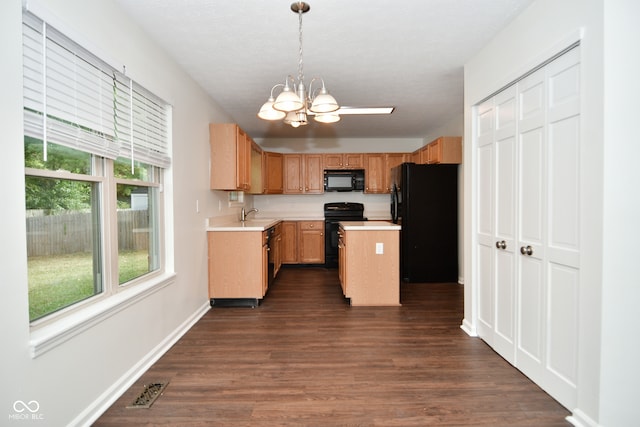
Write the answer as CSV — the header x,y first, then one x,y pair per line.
x,y
96,147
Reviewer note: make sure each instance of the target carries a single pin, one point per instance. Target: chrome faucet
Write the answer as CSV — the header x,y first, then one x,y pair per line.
x,y
243,214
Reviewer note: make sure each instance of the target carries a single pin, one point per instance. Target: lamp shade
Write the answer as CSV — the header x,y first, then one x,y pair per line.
x,y
288,101
267,112
327,117
324,103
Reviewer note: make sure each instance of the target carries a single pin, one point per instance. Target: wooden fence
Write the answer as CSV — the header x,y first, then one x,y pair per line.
x,y
72,232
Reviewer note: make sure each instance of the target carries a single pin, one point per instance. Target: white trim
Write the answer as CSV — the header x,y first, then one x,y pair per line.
x,y
43,12
468,328
92,412
580,419
51,336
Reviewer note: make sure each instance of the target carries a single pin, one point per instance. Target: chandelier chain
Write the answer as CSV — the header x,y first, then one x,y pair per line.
x,y
300,68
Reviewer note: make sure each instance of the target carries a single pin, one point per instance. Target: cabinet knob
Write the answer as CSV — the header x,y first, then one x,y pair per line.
x,y
501,244
526,250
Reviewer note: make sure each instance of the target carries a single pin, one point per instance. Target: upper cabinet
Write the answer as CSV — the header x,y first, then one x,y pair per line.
x,y
272,171
378,170
257,169
343,161
303,174
446,149
230,157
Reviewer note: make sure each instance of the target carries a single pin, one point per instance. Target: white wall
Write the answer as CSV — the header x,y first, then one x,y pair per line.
x,y
608,352
69,380
619,373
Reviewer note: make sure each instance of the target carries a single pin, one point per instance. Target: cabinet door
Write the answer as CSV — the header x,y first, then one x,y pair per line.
x,y
289,242
231,276
311,242
392,160
273,173
314,174
225,151
257,173
332,161
353,160
293,174
374,173
243,160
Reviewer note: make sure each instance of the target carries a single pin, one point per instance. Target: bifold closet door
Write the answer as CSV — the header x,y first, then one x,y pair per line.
x,y
549,220
527,226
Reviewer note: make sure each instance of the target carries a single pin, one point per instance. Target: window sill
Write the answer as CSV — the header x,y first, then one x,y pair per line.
x,y
55,334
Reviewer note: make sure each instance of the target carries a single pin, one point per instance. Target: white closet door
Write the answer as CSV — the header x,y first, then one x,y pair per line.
x,y
527,228
562,245
531,223
505,223
485,238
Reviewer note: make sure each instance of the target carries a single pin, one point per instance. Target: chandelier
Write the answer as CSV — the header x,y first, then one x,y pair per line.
x,y
295,103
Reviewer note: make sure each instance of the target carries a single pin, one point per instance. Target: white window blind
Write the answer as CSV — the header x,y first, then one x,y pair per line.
x,y
73,98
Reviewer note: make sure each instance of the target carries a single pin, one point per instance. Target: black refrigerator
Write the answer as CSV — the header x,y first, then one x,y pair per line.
x,y
424,201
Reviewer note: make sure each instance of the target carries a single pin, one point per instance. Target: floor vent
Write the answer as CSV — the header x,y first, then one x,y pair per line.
x,y
149,395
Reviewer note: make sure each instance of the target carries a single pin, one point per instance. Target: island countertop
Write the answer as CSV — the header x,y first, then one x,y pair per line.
x,y
369,225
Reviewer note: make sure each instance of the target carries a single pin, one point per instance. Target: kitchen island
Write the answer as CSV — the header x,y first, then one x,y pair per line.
x,y
369,262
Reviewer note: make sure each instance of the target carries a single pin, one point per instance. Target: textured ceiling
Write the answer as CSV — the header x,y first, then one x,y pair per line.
x,y
407,54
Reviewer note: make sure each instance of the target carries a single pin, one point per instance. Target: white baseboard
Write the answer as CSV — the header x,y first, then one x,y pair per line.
x,y
580,419
468,328
113,393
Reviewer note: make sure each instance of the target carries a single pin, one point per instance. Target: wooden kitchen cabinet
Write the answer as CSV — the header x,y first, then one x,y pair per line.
x,y
303,174
311,242
276,247
369,266
257,169
273,168
238,264
343,161
289,242
378,170
230,157
303,242
374,173
445,149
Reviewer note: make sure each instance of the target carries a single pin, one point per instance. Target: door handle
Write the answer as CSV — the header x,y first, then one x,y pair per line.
x,y
526,250
501,244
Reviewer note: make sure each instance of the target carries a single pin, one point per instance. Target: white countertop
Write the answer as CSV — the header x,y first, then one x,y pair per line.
x,y
248,225
369,225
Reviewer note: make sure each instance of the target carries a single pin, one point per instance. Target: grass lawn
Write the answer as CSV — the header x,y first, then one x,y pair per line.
x,y
58,281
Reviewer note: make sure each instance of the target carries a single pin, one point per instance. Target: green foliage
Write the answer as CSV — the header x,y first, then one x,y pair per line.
x,y
55,194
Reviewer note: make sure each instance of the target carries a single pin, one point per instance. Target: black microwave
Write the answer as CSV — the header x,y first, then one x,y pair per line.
x,y
344,180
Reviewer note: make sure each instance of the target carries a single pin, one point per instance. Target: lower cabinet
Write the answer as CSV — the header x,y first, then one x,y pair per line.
x,y
303,242
369,266
238,264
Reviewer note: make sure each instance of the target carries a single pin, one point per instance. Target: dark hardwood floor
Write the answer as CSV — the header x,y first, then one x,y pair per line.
x,y
304,357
